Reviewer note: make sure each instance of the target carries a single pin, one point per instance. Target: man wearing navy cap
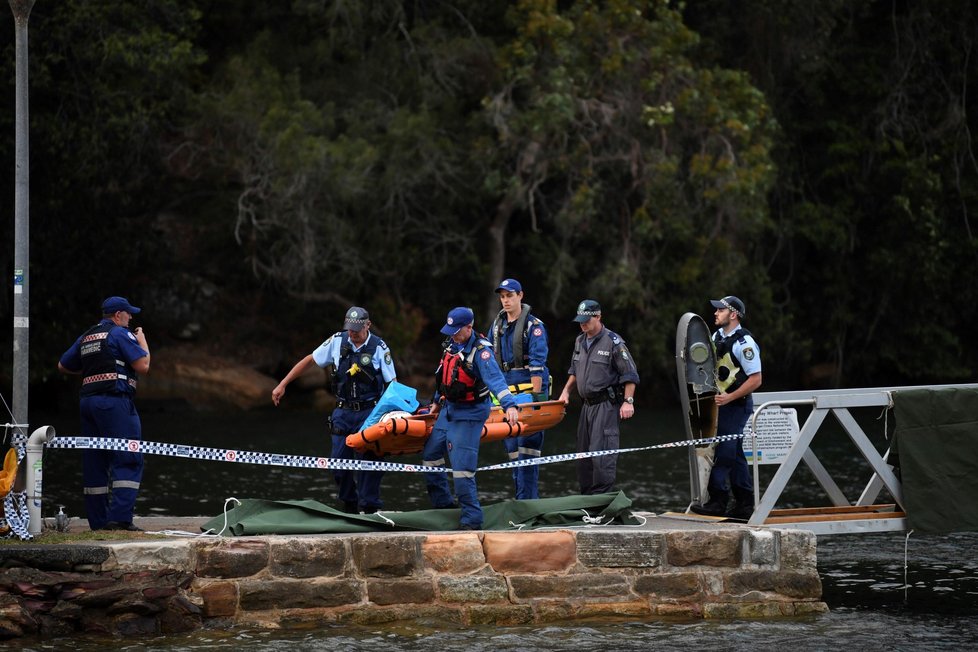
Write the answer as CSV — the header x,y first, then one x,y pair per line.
x,y
109,357
738,375
467,374
605,375
362,369
519,341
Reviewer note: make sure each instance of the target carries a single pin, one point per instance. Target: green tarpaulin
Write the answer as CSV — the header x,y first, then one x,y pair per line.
x,y
936,439
256,516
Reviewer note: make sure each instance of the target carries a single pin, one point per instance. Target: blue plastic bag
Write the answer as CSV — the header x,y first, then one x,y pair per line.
x,y
396,397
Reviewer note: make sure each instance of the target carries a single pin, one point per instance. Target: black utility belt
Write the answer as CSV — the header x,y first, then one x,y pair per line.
x,y
596,400
356,406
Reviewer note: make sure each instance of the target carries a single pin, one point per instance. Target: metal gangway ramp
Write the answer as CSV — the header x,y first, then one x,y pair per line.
x,y
842,516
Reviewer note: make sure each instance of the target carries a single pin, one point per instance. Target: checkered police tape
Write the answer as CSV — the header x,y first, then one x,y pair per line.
x,y
229,455
580,456
324,463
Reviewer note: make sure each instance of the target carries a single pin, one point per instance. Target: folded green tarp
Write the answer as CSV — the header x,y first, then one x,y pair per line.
x,y
257,516
936,438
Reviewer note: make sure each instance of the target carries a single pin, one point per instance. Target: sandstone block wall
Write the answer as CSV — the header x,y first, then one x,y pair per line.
x,y
451,578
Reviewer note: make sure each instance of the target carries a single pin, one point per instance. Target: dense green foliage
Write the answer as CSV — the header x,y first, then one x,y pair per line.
x,y
257,167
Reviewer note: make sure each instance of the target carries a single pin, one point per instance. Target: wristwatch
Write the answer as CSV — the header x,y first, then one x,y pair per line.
x,y
630,400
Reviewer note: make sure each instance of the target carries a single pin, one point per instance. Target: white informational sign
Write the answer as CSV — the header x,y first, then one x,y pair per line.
x,y
777,431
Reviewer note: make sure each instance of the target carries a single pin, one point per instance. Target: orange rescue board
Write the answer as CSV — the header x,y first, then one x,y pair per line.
x,y
407,435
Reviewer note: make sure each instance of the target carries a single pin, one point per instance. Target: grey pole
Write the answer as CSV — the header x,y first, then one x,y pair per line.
x,y
22,11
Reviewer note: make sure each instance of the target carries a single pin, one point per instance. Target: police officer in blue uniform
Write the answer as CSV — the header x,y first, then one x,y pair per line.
x,y
467,374
605,375
519,341
109,357
362,369
738,375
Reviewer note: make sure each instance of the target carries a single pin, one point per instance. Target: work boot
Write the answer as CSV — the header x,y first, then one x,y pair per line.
x,y
741,511
350,507
712,507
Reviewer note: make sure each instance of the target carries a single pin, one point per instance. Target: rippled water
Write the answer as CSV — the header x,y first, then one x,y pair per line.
x,y
872,607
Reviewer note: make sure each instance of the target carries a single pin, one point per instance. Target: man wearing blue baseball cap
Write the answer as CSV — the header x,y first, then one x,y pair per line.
x,y
519,341
467,374
109,357
604,373
738,375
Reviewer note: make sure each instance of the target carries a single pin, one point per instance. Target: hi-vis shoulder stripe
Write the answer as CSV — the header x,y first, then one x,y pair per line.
x,y
229,455
330,463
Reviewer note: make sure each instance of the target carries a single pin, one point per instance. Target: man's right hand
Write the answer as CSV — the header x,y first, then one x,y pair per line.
x,y
277,394
564,397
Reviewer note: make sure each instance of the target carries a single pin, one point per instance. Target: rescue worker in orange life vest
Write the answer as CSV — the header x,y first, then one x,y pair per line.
x,y
467,373
738,375
519,341
109,356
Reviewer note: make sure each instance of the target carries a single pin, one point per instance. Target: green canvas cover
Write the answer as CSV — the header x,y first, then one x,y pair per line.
x,y
936,439
256,516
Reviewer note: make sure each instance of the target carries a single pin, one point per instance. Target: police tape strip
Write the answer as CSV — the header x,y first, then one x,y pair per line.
x,y
580,456
229,455
330,463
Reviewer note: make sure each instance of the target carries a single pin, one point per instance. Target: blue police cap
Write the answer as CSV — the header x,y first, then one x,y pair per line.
x,y
587,309
731,303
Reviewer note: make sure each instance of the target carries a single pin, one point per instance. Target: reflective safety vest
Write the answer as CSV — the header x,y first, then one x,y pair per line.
x,y
521,356
456,377
101,372
730,375
355,377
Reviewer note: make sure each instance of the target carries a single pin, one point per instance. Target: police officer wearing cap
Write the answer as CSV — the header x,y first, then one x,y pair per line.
x,y
362,369
605,375
109,357
738,375
467,374
519,341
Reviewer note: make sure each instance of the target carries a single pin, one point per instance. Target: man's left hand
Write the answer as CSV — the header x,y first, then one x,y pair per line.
x,y
626,411
512,415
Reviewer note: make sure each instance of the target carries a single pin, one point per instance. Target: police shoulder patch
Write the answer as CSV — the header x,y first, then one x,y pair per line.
x,y
131,336
486,354
748,353
387,357
537,332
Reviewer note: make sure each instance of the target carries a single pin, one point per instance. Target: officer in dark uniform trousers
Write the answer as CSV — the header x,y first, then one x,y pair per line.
x,y
109,357
467,373
362,369
604,373
738,375
519,341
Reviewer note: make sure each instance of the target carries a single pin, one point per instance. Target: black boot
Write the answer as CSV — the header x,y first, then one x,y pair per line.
x,y
743,507
715,506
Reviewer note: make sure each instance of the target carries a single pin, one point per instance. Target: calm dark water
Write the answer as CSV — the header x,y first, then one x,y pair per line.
x,y
872,606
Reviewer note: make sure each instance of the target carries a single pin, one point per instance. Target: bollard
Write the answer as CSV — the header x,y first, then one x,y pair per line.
x,y
35,462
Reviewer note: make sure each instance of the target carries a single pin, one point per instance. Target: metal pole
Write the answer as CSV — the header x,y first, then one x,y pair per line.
x,y
22,11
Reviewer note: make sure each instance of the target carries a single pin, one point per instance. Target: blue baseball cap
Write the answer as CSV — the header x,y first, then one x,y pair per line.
x,y
509,285
457,318
113,305
731,303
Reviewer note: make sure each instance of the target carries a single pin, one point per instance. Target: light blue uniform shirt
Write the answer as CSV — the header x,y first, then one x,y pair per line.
x,y
328,353
747,352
